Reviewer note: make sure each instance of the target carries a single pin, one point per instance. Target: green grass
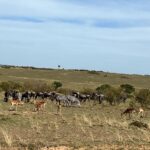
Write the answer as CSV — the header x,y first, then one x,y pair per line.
x,y
74,79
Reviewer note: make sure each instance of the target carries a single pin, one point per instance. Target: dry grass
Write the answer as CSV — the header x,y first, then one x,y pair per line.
x,y
75,128
88,127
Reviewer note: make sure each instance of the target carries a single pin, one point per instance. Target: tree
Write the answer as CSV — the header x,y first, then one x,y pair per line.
x,y
143,97
127,88
103,88
59,66
56,85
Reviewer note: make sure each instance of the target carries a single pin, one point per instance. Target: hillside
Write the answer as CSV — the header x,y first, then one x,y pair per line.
x,y
73,79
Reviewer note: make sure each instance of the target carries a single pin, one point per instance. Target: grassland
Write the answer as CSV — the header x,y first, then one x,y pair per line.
x,y
72,79
87,127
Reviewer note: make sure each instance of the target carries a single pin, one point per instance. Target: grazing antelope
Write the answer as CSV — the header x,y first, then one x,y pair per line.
x,y
16,103
128,111
39,105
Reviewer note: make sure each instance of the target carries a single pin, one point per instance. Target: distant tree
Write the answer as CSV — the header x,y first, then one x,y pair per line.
x,y
127,88
56,85
59,66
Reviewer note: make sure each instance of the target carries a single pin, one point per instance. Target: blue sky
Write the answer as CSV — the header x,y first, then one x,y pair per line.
x,y
112,35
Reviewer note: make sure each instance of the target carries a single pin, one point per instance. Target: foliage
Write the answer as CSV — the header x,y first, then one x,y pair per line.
x,y
87,91
56,85
127,88
103,88
143,97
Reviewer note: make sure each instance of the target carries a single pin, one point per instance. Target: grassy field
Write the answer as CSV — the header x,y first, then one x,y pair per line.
x,y
74,79
82,128
88,127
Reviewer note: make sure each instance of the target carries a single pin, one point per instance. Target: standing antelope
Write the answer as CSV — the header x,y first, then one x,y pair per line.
x,y
128,111
39,105
16,103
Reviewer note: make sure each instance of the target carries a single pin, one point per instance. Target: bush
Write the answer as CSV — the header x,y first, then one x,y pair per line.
x,y
143,97
103,88
127,88
87,91
56,85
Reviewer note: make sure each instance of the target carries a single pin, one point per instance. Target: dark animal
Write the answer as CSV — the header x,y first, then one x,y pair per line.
x,y
128,111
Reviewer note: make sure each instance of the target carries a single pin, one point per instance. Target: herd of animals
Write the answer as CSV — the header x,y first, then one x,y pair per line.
x,y
74,99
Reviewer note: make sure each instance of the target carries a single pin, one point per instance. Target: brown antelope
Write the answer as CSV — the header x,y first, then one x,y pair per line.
x,y
16,103
128,111
39,104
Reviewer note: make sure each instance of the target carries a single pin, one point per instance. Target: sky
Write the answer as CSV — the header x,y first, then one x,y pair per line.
x,y
103,35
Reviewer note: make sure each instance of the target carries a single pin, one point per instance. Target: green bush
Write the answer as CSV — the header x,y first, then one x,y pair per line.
x,y
143,97
56,85
103,88
127,88
87,91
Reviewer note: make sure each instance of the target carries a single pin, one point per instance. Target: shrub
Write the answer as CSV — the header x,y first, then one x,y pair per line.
x,y
87,91
103,88
143,97
56,85
127,88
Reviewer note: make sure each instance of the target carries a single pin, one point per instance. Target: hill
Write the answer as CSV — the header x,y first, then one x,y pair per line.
x,y
72,79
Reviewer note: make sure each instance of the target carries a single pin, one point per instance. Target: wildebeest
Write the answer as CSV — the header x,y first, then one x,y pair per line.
x,y
98,97
12,94
81,97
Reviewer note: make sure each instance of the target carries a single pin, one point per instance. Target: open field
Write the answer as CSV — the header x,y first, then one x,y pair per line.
x,y
74,79
89,127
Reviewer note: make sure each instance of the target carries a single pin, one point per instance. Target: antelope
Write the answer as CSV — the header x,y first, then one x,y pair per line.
x,y
128,111
39,105
16,103
141,112
59,109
